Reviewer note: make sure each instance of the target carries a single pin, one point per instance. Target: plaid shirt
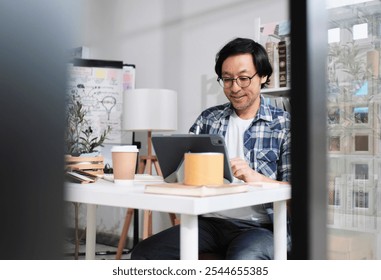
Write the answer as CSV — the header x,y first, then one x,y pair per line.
x,y
267,142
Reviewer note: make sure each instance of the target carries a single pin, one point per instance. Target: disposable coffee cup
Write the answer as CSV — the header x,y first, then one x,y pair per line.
x,y
124,163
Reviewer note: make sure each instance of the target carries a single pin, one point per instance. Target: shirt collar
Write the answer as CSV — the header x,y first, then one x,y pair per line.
x,y
264,111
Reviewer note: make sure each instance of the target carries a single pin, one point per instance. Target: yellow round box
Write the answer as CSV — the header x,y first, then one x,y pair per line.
x,y
203,169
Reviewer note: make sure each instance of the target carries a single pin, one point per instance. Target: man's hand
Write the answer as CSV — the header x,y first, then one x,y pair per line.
x,y
241,170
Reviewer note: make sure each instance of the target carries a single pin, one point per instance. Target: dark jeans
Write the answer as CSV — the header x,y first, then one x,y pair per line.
x,y
235,239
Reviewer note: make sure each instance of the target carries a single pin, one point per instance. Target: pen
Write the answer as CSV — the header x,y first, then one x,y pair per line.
x,y
197,130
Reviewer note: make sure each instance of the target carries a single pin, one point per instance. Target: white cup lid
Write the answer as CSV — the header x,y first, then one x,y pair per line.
x,y
125,148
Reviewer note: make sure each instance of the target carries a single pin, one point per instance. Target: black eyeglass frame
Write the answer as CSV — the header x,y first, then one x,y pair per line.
x,y
236,80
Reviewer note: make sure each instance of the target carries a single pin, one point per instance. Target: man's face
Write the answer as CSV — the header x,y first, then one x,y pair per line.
x,y
245,100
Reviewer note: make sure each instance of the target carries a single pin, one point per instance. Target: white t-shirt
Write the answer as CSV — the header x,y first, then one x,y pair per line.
x,y
234,143
234,135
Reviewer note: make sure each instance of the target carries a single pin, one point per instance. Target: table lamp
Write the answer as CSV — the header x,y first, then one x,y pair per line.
x,y
149,110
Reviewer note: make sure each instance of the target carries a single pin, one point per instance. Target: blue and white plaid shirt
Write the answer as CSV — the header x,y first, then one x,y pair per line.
x,y
267,141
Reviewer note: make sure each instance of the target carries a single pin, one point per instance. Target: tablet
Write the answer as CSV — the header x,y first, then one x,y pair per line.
x,y
170,150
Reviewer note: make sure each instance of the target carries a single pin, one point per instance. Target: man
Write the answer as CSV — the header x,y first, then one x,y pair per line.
x,y
258,140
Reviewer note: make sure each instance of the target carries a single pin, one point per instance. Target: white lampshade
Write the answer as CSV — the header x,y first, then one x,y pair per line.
x,y
149,110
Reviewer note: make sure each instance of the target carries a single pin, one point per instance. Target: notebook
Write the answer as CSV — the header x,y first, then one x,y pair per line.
x,y
170,150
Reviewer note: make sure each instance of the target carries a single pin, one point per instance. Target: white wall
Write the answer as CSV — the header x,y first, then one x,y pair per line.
x,y
173,44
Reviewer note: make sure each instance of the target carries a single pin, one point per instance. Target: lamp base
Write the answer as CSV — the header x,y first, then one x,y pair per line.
x,y
145,165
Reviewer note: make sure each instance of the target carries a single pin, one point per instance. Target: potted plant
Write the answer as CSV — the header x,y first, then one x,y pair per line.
x,y
79,136
81,143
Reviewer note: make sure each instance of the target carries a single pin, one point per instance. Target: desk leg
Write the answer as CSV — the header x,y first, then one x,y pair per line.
x,y
136,227
280,230
91,231
189,237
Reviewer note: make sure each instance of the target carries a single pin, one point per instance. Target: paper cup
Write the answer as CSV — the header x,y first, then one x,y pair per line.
x,y
124,163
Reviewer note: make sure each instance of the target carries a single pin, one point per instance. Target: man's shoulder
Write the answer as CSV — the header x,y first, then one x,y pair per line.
x,y
277,117
277,112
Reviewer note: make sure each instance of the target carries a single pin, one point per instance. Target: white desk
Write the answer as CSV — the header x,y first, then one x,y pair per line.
x,y
107,193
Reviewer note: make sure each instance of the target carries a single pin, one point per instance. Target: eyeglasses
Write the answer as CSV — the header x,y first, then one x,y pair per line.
x,y
242,81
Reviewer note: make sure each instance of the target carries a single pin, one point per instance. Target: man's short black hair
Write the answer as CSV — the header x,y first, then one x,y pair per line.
x,y
243,46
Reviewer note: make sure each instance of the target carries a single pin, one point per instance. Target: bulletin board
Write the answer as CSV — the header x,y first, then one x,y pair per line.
x,y
98,86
